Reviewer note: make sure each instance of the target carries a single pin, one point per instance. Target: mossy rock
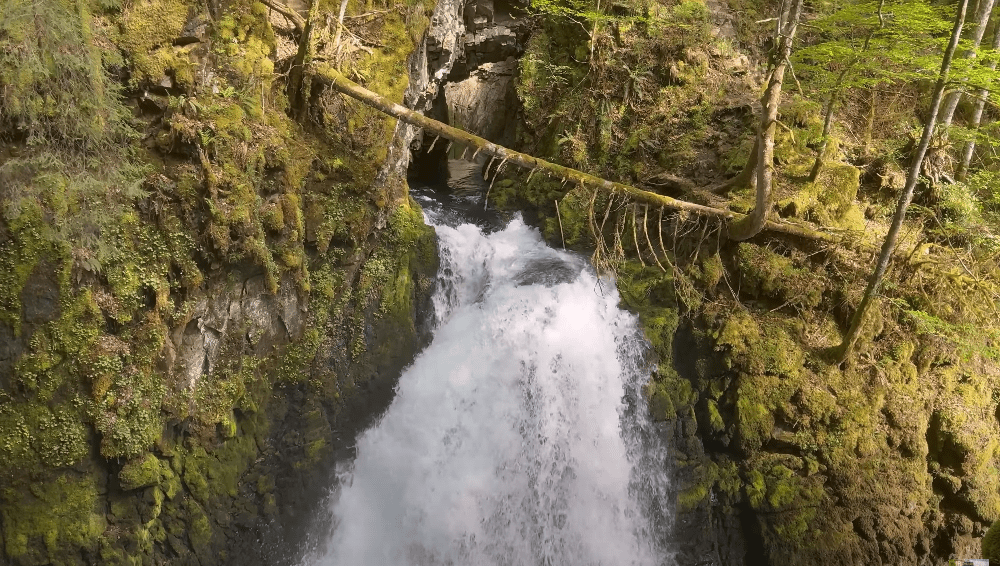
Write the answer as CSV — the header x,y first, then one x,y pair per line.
x,y
767,274
705,478
715,421
147,31
758,348
830,200
52,520
669,394
144,471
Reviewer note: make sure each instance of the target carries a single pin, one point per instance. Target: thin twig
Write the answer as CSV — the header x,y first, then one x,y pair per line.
x,y
559,217
370,14
791,69
607,211
635,236
486,170
701,239
645,230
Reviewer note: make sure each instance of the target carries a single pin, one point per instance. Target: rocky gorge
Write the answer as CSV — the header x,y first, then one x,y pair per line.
x,y
203,308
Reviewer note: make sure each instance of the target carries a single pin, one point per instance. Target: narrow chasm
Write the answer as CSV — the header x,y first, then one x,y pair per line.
x,y
476,90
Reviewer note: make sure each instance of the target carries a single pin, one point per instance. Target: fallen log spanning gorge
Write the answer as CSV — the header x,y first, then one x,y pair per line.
x,y
341,83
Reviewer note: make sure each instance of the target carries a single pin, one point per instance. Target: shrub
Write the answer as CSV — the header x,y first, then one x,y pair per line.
x,y
991,542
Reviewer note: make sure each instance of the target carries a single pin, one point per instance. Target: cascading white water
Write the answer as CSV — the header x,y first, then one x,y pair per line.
x,y
518,436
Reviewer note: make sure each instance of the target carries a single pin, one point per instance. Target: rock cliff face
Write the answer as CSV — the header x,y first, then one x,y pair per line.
x,y
236,304
182,359
475,66
485,102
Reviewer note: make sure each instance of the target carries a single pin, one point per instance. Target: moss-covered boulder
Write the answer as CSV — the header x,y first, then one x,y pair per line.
x,y
144,471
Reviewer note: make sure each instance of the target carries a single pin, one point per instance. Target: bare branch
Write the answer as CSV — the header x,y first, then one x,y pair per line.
x,y
298,21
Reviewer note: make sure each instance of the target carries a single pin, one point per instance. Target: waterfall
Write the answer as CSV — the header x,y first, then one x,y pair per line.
x,y
519,436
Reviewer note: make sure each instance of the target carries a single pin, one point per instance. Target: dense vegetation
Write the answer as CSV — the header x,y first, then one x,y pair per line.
x,y
902,437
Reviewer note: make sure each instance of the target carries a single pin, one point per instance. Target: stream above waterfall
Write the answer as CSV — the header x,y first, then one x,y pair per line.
x,y
520,434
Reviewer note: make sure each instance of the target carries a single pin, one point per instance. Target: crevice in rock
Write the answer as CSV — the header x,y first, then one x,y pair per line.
x,y
472,63
753,537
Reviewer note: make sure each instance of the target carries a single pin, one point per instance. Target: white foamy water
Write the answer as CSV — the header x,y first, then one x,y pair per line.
x,y
519,436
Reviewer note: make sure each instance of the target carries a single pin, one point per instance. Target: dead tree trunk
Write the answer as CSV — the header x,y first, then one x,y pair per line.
x,y
889,245
977,114
289,13
326,73
751,225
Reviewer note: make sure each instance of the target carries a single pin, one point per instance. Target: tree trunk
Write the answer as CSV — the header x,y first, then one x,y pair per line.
x,y
324,72
827,127
755,221
286,11
340,28
889,245
947,111
977,115
298,79
835,94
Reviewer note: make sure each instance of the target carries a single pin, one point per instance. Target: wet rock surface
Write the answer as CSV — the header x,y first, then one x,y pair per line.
x,y
485,102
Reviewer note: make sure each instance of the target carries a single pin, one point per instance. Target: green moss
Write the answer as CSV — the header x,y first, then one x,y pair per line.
x,y
199,527
19,257
754,418
768,274
148,27
170,482
215,474
144,471
711,271
669,394
52,520
830,201
573,212
755,488
690,498
991,542
715,422
194,477
245,36
760,350
650,291
781,488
